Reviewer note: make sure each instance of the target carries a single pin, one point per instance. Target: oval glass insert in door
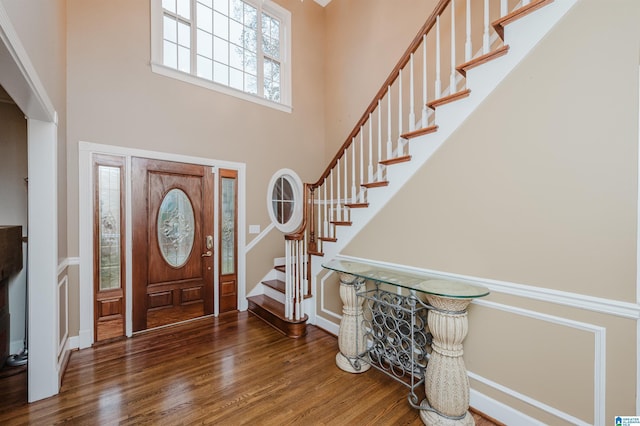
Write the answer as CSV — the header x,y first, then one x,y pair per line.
x,y
176,228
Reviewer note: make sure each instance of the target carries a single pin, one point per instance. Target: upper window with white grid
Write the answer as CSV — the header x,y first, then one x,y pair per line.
x,y
237,44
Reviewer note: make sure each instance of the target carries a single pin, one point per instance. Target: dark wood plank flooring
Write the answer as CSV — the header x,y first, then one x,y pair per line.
x,y
231,370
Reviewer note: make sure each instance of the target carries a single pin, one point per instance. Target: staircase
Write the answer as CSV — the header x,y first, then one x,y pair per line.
x,y
410,117
270,306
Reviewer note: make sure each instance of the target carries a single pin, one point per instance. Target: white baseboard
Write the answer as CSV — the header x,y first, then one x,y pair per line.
x,y
499,411
327,325
84,339
74,342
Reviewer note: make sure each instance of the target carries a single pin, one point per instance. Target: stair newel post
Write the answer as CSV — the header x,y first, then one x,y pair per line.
x,y
467,44
485,34
425,117
370,168
412,113
311,229
438,83
452,77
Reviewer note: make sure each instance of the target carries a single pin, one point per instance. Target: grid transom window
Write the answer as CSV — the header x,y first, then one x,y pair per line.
x,y
240,44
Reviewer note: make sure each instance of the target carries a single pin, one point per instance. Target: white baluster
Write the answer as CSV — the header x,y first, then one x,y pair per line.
x,y
452,77
525,2
320,209
379,157
346,194
331,228
354,195
296,281
325,217
467,44
338,199
438,88
503,8
287,280
400,148
485,35
412,115
360,188
370,168
389,143
424,82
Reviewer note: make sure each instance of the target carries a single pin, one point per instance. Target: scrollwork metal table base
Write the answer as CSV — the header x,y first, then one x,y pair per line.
x,y
415,342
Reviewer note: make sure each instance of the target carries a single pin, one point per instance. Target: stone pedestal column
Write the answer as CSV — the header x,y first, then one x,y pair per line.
x,y
446,380
351,335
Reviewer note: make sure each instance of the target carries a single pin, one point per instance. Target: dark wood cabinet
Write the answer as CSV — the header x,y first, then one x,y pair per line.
x,y
10,264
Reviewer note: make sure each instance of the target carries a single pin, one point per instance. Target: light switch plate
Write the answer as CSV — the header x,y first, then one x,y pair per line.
x,y
254,229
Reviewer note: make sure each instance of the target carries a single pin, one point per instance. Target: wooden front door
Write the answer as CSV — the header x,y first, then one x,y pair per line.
x,y
172,271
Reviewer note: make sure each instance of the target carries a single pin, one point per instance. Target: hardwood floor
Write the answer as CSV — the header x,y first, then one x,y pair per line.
x,y
230,370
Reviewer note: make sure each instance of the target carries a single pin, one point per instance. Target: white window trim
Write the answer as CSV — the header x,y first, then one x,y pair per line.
x,y
295,220
285,105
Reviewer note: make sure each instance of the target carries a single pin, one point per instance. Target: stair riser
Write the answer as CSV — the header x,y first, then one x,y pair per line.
x,y
290,330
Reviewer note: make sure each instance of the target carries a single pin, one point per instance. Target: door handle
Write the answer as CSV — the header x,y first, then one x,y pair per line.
x,y
207,254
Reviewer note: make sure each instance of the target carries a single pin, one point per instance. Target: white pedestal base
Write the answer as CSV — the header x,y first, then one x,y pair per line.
x,y
351,335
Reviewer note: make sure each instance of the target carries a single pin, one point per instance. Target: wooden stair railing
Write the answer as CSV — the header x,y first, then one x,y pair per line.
x,y
403,109
381,136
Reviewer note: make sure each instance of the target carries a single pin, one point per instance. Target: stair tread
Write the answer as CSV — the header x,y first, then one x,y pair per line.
x,y
277,285
273,306
280,268
328,239
396,160
499,24
376,184
483,59
419,132
340,223
448,99
357,205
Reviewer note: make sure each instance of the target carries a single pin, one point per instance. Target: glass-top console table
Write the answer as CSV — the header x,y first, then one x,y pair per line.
x,y
415,336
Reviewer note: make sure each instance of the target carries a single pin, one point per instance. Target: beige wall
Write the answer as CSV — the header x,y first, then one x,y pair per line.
x,y
41,26
364,41
539,187
115,99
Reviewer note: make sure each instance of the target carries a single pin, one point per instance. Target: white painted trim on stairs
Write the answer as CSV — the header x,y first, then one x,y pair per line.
x,y
482,81
259,238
